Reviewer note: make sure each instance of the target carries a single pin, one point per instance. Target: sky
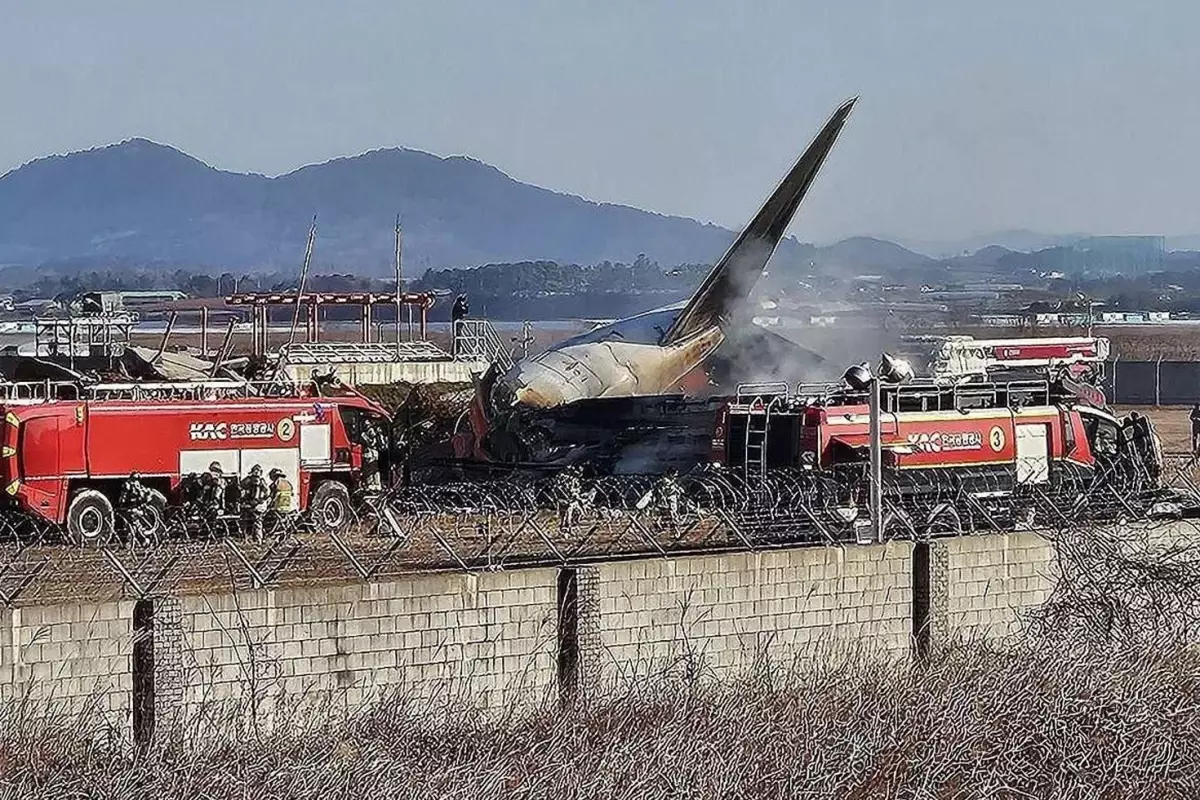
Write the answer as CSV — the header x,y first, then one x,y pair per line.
x,y
973,116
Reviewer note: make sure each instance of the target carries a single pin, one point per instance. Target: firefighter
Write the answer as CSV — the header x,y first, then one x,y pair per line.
x,y
254,497
372,444
457,313
212,493
1195,418
668,495
282,514
569,496
322,381
134,502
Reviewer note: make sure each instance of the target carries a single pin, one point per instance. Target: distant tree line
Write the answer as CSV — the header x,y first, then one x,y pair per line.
x,y
496,286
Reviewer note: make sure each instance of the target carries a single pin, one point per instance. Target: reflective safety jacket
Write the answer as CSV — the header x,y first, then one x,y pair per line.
x,y
281,495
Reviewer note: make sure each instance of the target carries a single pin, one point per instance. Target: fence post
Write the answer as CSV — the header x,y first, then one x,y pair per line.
x,y
1115,396
1157,381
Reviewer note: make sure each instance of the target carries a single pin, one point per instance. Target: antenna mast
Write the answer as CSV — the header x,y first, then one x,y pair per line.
x,y
308,251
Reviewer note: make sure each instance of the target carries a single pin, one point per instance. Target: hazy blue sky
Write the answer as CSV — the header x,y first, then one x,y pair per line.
x,y
974,116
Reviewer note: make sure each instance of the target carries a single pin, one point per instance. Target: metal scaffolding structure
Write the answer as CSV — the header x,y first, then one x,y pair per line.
x,y
261,303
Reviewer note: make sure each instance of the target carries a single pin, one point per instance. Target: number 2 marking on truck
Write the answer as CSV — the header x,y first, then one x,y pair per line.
x,y
286,429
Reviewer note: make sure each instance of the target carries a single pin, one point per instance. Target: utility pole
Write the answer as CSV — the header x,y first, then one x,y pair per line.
x,y
399,286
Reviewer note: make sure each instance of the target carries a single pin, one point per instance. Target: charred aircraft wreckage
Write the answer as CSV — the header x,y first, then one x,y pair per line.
x,y
611,396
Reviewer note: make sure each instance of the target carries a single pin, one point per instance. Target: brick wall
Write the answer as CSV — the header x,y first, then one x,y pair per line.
x,y
708,615
69,658
985,585
487,640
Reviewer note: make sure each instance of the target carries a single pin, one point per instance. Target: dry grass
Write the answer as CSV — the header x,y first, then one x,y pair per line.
x,y
1100,697
977,722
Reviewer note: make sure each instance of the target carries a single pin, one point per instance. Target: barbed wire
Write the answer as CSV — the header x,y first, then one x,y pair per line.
x,y
565,518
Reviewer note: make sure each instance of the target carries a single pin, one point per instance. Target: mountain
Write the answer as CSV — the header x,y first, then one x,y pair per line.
x,y
139,200
1019,239
865,253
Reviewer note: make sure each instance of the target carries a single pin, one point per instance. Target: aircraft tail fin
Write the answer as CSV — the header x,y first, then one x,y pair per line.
x,y
734,276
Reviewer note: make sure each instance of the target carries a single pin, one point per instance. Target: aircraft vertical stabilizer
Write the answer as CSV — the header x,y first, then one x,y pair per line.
x,y
734,276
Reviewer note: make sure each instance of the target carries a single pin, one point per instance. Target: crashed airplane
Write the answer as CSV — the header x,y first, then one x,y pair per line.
x,y
608,384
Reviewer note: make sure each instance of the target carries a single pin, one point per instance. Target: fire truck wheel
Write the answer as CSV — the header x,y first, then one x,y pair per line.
x,y
90,516
330,507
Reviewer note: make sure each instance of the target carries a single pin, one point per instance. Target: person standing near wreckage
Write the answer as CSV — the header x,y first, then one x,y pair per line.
x,y
134,501
1195,418
212,493
458,312
254,496
283,515
372,447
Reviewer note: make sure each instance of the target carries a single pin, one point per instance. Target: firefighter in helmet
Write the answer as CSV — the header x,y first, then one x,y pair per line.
x,y
569,497
457,313
134,502
283,515
254,497
372,445
212,492
668,496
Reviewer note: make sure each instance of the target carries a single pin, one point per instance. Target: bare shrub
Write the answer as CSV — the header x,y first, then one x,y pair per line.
x,y
1026,720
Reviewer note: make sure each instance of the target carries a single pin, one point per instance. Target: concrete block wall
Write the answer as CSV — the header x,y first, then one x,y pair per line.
x,y
725,614
488,640
498,640
67,658
984,586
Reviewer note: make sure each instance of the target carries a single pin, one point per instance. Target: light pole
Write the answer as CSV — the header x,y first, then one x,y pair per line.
x,y
892,371
875,437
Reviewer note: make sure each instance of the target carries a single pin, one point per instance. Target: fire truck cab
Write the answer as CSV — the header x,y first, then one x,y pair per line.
x,y
67,448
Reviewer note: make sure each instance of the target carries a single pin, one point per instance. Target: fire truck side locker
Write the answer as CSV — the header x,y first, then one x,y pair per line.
x,y
1033,453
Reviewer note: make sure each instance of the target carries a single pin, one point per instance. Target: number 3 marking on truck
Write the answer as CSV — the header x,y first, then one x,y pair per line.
x,y
286,429
996,439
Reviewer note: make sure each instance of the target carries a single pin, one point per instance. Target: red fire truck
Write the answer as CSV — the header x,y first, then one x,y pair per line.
x,y
67,448
993,440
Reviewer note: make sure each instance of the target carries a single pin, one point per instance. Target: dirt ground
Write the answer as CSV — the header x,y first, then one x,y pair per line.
x,y
54,573
1171,422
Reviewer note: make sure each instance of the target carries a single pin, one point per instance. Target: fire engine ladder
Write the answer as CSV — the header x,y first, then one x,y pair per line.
x,y
758,423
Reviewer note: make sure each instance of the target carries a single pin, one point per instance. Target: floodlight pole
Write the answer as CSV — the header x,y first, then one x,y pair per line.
x,y
875,435
399,287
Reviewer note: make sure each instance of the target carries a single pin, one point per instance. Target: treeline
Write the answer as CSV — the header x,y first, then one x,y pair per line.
x,y
491,282
547,278
194,283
